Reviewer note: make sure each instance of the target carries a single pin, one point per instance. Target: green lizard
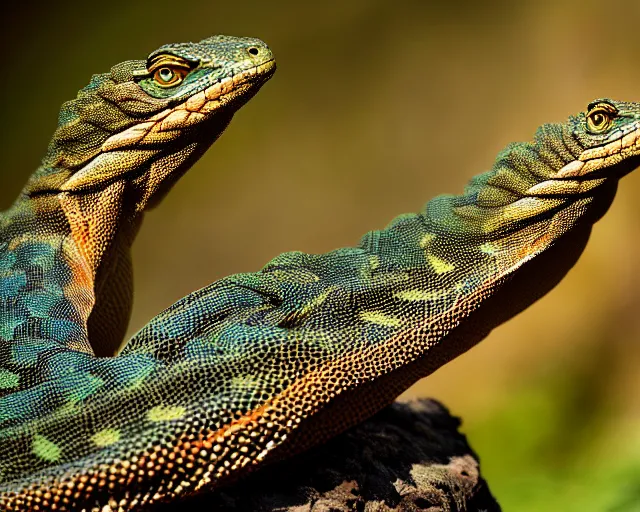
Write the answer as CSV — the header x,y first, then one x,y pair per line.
x,y
254,367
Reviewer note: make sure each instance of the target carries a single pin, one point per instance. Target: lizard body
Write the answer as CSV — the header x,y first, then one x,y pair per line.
x,y
255,366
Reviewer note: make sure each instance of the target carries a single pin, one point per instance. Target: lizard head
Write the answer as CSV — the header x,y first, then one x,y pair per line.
x,y
609,134
120,146
561,171
146,122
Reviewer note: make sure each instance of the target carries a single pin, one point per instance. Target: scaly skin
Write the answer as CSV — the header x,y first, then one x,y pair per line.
x,y
258,366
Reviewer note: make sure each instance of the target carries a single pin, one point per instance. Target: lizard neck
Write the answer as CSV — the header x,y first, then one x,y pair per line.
x,y
96,224
41,266
103,225
74,248
444,265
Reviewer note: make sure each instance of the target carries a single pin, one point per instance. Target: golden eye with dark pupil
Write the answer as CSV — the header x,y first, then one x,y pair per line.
x,y
600,118
169,76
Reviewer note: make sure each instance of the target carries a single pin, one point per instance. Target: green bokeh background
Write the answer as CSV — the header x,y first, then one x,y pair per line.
x,y
376,107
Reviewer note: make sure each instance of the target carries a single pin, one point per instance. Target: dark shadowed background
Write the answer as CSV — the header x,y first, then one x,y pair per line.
x,y
377,107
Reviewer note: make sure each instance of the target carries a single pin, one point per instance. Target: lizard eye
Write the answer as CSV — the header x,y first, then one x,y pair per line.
x,y
169,76
168,70
600,117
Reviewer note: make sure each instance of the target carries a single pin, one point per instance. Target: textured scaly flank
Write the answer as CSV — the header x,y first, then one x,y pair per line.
x,y
254,367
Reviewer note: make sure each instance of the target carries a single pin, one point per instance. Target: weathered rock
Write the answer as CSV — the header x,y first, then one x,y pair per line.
x,y
408,457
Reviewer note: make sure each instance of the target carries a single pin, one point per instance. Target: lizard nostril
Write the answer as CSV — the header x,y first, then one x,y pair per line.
x,y
253,50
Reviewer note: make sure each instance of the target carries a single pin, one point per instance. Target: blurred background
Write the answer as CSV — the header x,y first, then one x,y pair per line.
x,y
377,107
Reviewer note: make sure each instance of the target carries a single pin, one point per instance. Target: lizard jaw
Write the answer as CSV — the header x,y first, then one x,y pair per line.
x,y
594,159
584,173
166,127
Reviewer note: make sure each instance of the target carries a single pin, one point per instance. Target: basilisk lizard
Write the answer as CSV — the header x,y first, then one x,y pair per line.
x,y
254,367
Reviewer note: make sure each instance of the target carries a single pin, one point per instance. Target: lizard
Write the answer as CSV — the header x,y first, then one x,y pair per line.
x,y
255,367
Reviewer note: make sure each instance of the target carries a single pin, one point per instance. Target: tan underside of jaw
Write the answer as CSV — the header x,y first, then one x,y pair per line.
x,y
589,161
552,193
191,111
593,159
118,152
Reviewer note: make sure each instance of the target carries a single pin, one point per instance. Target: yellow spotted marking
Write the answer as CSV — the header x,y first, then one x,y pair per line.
x,y
9,379
165,413
316,302
295,275
418,295
380,318
106,437
439,265
68,409
488,248
140,378
246,382
367,271
426,239
309,307
45,449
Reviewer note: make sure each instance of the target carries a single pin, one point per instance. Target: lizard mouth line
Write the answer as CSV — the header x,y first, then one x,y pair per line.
x,y
228,85
194,109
